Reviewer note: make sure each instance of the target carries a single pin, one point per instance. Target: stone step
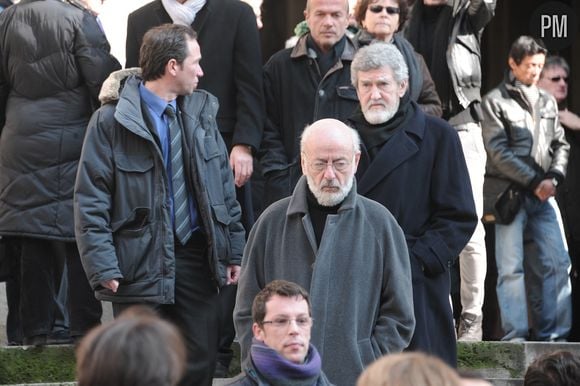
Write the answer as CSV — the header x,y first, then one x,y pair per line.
x,y
504,360
506,382
502,363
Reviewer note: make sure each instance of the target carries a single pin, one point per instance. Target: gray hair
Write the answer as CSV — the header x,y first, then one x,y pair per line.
x,y
378,55
557,61
356,141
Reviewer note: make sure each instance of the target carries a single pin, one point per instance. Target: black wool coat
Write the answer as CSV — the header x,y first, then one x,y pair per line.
x,y
420,175
53,60
231,61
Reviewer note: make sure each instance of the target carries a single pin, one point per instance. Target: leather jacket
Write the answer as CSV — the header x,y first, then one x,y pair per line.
x,y
520,147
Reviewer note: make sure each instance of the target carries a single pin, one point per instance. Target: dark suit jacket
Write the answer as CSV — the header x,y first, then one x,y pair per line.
x,y
231,62
421,177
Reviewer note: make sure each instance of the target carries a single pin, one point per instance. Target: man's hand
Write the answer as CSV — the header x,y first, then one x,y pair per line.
x,y
242,163
545,190
569,119
113,285
233,272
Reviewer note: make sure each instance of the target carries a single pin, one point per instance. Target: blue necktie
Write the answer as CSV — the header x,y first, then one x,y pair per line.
x,y
182,222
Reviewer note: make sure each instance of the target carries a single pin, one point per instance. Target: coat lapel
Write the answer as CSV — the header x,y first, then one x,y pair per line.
x,y
202,17
402,146
162,15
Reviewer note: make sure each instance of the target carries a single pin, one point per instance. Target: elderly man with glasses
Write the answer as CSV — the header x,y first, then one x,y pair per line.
x,y
348,250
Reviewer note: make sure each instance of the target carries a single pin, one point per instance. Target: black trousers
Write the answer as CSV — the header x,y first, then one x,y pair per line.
x,y
194,312
41,268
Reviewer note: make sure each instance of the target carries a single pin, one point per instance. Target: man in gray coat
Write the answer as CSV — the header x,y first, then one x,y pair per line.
x,y
348,250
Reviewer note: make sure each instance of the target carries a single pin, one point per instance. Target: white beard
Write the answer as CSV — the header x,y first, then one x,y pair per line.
x,y
329,199
376,117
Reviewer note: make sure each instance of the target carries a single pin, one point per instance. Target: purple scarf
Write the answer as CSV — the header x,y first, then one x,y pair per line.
x,y
279,371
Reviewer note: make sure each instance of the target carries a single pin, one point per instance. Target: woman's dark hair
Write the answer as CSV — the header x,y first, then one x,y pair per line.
x,y
360,11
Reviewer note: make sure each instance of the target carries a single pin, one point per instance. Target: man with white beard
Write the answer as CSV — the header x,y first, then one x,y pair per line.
x,y
347,250
413,164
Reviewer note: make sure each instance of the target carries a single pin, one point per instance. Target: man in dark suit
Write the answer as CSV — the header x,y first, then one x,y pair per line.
x,y
232,64
413,164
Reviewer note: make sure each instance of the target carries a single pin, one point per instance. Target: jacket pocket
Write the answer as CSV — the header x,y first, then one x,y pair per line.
x,y
134,249
366,352
136,163
210,148
347,92
134,183
132,237
222,220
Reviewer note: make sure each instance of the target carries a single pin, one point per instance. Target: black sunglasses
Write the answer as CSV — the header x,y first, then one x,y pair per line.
x,y
379,9
558,78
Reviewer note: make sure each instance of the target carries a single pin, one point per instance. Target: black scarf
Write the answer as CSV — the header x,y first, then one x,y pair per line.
x,y
326,60
318,214
375,136
429,31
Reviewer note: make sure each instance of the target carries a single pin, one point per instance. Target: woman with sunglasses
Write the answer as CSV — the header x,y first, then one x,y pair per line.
x,y
381,20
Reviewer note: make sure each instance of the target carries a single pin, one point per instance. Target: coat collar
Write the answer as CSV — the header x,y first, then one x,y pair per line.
x,y
129,114
299,205
402,146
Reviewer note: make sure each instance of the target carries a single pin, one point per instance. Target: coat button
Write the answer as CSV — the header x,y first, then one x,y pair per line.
x,y
321,93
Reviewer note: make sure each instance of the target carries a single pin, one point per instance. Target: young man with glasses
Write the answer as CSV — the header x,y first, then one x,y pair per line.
x,y
281,352
348,250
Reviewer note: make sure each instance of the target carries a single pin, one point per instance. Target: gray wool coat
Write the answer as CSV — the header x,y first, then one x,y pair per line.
x,y
359,279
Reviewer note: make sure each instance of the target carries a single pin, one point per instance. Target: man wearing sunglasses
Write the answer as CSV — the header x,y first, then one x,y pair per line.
x,y
348,250
554,79
281,352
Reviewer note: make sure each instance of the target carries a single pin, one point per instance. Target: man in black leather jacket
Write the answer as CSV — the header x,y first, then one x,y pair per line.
x,y
526,146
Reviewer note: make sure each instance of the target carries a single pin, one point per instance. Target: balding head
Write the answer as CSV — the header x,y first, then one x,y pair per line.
x,y
330,152
330,128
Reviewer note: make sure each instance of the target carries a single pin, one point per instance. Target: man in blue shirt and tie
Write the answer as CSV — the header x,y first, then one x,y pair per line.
x,y
156,218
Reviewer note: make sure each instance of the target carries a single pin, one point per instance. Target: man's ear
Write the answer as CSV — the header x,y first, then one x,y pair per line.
x,y
512,63
258,332
171,67
303,163
356,160
403,88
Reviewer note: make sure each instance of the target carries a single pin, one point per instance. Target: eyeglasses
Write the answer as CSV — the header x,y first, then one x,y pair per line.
x,y
280,323
339,165
559,78
379,9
